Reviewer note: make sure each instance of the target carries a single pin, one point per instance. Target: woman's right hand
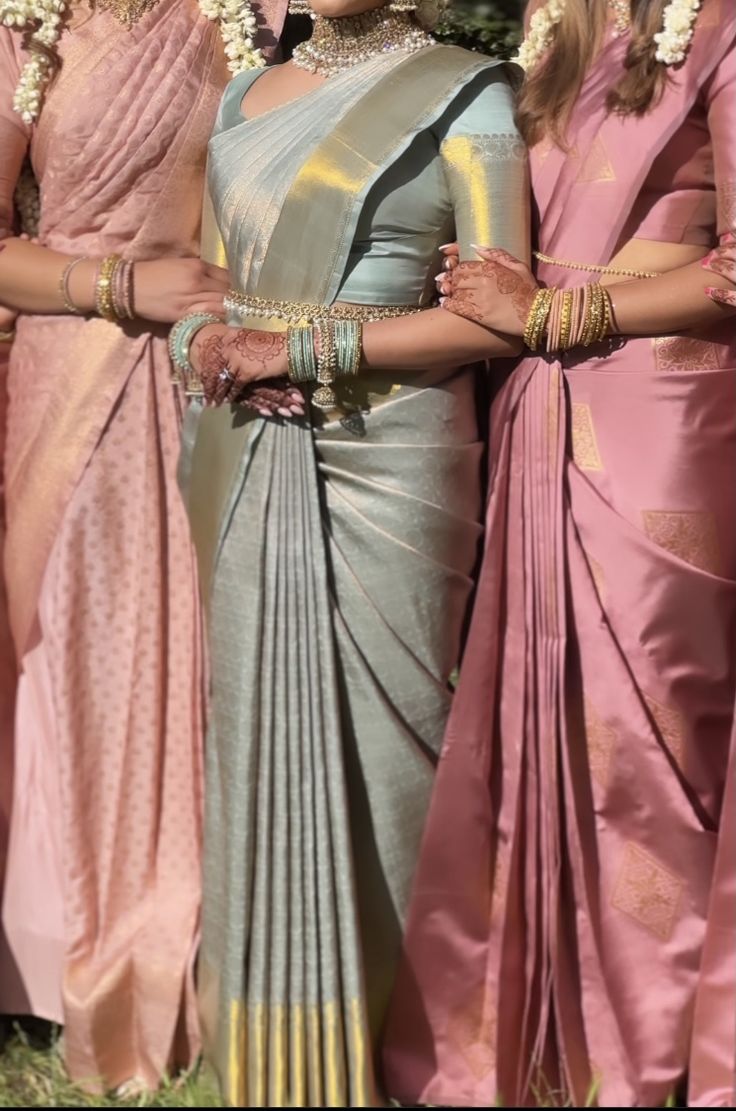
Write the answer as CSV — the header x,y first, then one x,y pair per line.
x,y
167,289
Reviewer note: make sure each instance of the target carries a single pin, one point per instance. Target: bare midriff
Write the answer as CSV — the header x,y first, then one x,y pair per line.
x,y
651,256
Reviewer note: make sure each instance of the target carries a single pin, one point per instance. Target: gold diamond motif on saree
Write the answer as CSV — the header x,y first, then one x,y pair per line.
x,y
671,725
598,576
600,741
683,353
647,892
472,1030
584,442
596,165
727,203
688,534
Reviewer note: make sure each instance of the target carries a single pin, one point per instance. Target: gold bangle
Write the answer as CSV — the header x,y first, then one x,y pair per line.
x,y
566,320
7,337
104,300
537,318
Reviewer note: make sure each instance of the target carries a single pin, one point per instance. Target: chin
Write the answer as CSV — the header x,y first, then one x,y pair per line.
x,y
338,9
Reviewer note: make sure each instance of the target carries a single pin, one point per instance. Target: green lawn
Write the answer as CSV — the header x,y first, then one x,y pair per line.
x,y
32,1075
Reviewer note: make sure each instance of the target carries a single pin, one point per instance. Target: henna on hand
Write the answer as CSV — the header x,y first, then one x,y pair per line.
x,y
212,361
462,303
517,287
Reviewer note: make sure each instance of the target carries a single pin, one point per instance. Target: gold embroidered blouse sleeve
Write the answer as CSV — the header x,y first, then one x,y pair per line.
x,y
486,167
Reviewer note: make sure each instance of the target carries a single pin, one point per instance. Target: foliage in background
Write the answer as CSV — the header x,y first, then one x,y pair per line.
x,y
488,26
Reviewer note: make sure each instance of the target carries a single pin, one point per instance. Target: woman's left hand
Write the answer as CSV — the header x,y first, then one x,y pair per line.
x,y
497,292
235,364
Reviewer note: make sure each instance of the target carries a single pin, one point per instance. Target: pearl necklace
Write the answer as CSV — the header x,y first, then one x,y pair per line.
x,y
337,45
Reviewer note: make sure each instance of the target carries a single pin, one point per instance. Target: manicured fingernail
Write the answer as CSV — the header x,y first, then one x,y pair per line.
x,y
444,246
265,412
443,301
478,248
297,411
283,412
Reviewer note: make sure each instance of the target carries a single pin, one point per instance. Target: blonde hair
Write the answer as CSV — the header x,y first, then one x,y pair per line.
x,y
552,87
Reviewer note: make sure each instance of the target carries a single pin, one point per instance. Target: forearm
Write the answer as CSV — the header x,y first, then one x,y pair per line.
x,y
432,339
30,278
673,302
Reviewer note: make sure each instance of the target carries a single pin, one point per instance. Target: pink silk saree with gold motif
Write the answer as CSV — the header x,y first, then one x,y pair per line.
x,y
100,909
572,937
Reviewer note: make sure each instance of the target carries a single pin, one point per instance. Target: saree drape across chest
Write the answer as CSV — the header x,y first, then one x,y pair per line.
x,y
102,891
337,561
573,926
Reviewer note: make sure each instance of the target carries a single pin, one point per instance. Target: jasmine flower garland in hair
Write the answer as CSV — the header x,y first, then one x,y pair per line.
x,y
238,28
678,29
541,32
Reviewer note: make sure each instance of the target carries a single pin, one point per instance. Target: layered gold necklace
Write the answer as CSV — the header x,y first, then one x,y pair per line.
x,y
337,45
127,12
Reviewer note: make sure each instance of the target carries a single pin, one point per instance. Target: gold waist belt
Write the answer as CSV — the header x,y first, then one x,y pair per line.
x,y
294,312
593,267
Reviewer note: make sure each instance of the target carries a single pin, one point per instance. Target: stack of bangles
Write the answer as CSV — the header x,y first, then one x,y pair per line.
x,y
566,318
321,353
113,288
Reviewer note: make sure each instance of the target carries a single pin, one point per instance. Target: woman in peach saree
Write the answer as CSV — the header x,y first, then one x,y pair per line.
x,y
101,900
572,935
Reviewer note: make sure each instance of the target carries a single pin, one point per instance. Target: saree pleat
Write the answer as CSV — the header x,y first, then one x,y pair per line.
x,y
297,962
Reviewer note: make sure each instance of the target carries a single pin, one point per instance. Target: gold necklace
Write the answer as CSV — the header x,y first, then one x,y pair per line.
x,y
127,12
337,45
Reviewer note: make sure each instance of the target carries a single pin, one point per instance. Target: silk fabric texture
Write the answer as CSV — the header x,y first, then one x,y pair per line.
x,y
102,886
572,931
336,558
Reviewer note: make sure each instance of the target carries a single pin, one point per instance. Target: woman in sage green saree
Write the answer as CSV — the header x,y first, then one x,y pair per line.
x,y
336,552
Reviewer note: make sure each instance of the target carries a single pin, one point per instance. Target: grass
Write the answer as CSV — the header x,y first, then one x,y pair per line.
x,y
32,1075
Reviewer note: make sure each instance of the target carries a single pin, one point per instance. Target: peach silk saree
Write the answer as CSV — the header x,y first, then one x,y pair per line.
x,y
101,898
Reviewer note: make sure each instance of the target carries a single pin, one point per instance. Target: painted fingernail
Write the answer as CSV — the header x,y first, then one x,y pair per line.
x,y
297,410
265,412
283,412
444,246
443,301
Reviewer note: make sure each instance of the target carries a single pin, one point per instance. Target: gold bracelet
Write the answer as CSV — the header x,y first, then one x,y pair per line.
x,y
537,318
104,300
324,396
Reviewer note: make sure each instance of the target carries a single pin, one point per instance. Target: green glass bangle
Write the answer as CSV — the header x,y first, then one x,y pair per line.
x,y
180,341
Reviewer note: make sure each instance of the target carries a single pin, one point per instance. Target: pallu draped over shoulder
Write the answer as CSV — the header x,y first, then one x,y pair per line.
x,y
572,933
336,559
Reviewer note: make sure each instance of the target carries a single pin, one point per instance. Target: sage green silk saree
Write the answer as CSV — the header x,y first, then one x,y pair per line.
x,y
336,561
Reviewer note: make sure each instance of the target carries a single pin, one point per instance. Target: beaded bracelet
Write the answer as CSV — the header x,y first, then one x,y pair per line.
x,y
180,342
64,286
122,293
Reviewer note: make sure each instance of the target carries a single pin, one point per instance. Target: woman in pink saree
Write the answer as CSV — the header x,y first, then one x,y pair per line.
x,y
572,935
100,911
